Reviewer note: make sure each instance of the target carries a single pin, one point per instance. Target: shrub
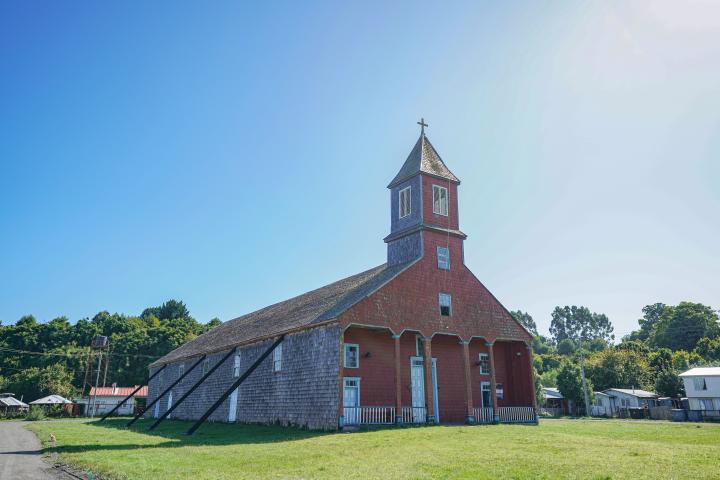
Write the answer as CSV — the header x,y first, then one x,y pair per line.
x,y
35,413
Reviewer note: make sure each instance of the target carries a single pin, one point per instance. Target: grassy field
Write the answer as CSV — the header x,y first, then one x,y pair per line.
x,y
555,449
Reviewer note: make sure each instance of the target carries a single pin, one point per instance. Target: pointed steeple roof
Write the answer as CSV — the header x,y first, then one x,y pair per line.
x,y
423,159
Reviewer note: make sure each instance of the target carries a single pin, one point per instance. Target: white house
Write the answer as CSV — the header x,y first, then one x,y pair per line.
x,y
101,400
602,405
622,398
702,388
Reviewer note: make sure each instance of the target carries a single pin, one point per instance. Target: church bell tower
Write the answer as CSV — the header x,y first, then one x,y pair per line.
x,y
423,205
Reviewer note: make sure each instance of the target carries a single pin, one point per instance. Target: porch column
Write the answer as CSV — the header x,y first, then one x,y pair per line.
x,y
427,362
341,380
398,386
469,413
493,385
531,377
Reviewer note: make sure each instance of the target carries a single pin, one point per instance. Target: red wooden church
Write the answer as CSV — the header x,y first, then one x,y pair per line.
x,y
418,339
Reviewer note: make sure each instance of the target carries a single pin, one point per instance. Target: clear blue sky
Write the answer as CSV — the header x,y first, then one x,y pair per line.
x,y
233,156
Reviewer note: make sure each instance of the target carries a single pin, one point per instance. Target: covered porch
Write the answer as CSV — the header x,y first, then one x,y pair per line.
x,y
386,380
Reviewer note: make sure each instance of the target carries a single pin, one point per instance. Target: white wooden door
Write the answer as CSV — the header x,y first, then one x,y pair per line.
x,y
232,414
417,386
169,405
351,400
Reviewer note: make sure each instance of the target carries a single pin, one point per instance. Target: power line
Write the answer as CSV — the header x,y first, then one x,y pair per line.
x,y
79,354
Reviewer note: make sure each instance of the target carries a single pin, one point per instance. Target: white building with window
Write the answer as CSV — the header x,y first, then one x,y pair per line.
x,y
702,388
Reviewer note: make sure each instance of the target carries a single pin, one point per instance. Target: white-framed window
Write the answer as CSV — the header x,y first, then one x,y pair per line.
x,y
277,358
486,394
706,403
484,361
236,365
351,357
418,346
161,378
499,392
445,304
699,383
443,258
440,200
181,371
404,202
205,366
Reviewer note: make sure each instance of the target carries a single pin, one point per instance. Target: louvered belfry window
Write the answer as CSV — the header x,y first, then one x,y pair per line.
x,y
405,202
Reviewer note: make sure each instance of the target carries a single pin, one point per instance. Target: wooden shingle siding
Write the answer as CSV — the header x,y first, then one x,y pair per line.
x,y
304,393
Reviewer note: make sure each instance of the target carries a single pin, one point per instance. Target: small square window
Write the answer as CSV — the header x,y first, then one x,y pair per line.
x,y
236,365
445,304
277,358
405,202
352,352
499,392
440,200
484,364
443,258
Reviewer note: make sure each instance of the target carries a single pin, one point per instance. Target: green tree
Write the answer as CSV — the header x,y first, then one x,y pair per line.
x,y
578,323
650,319
709,349
570,384
669,384
567,346
682,326
619,368
526,321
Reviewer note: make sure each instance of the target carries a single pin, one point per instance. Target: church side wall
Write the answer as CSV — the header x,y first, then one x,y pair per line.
x,y
303,393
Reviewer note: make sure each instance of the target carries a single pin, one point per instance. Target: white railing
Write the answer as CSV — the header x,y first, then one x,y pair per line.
x,y
483,415
517,415
369,415
413,415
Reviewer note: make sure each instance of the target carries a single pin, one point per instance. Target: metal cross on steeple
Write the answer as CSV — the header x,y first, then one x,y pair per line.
x,y
422,126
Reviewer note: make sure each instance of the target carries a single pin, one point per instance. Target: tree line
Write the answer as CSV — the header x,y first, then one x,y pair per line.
x,y
38,359
670,339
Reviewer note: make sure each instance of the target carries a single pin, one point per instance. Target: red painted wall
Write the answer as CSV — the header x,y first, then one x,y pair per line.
x,y
450,378
410,300
449,221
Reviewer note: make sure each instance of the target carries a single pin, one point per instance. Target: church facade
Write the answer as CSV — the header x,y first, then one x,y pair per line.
x,y
418,339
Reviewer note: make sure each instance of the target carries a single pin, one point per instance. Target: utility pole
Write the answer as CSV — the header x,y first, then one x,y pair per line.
x,y
97,382
584,382
98,344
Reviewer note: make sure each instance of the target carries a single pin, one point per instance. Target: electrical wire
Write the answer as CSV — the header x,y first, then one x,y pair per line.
x,y
79,354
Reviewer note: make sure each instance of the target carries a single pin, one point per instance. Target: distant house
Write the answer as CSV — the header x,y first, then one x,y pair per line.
x,y
702,387
602,405
10,405
624,398
101,400
555,403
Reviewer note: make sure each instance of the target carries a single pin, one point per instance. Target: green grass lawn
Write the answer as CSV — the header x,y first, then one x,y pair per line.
x,y
554,449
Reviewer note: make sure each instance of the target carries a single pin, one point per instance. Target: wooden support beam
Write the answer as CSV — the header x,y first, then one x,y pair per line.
x,y
192,389
157,399
235,385
130,396
493,383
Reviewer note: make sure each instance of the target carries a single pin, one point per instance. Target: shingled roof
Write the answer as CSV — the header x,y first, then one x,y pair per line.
x,y
423,158
314,307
